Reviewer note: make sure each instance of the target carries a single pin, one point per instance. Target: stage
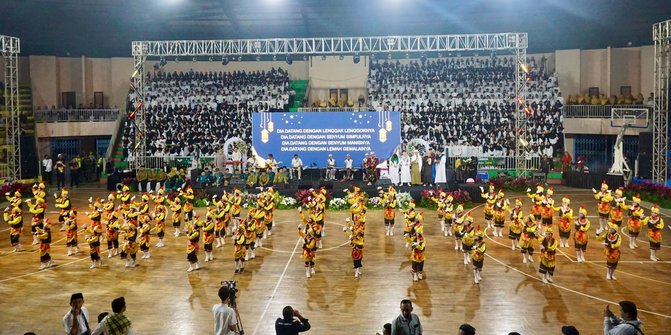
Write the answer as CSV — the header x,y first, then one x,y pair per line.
x,y
337,188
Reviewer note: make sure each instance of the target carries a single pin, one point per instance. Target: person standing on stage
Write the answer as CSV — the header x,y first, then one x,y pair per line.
x,y
405,169
394,162
371,168
296,167
440,177
330,168
427,168
349,168
363,167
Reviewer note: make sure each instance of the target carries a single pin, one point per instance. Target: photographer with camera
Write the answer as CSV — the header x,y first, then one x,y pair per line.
x,y
287,325
225,318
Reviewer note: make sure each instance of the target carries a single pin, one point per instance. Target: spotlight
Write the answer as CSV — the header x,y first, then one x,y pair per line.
x,y
524,68
289,60
176,59
323,57
305,58
341,57
258,58
356,59
224,60
274,57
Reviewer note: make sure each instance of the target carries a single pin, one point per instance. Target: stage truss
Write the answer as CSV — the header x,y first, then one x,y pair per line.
x,y
10,167
661,34
516,43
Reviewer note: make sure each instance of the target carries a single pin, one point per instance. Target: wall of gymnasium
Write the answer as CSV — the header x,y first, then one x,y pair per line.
x,y
608,69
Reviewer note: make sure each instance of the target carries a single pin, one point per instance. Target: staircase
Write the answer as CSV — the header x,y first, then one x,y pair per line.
x,y
301,88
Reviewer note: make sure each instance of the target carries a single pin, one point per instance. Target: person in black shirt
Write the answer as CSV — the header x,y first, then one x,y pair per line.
x,y
287,325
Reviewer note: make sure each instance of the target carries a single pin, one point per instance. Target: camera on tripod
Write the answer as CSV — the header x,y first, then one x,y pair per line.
x,y
232,288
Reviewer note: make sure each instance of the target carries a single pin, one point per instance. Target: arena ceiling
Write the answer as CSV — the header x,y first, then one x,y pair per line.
x,y
105,28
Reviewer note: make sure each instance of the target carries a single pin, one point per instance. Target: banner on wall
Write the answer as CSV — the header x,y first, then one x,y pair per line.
x,y
315,135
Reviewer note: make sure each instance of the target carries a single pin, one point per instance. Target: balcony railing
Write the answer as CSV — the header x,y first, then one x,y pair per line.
x,y
76,115
594,111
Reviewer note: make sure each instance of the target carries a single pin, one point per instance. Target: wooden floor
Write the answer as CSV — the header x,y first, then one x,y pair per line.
x,y
163,298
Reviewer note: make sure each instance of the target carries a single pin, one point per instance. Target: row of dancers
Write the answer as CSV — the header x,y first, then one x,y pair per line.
x,y
132,221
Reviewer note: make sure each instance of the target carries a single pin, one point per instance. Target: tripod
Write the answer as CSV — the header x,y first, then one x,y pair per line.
x,y
239,329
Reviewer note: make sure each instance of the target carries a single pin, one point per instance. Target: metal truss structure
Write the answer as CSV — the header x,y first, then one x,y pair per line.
x,y
661,34
332,45
517,43
10,167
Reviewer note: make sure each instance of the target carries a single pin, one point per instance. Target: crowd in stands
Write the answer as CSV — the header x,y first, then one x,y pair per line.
x,y
462,102
193,113
468,103
603,100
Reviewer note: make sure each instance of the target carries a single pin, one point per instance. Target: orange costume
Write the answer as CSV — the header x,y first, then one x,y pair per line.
x,y
548,251
581,236
655,224
611,241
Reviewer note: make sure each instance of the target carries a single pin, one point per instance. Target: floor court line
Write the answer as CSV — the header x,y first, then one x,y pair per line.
x,y
571,290
42,271
594,263
279,281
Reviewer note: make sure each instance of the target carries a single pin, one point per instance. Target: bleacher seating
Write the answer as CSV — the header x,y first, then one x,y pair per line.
x,y
194,113
468,102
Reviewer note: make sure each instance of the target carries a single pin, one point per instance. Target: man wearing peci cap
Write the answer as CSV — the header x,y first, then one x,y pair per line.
x,y
75,321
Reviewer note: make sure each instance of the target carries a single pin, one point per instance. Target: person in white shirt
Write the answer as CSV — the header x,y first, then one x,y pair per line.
x,y
251,164
296,167
236,158
271,164
75,321
330,168
47,167
349,165
405,168
225,321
